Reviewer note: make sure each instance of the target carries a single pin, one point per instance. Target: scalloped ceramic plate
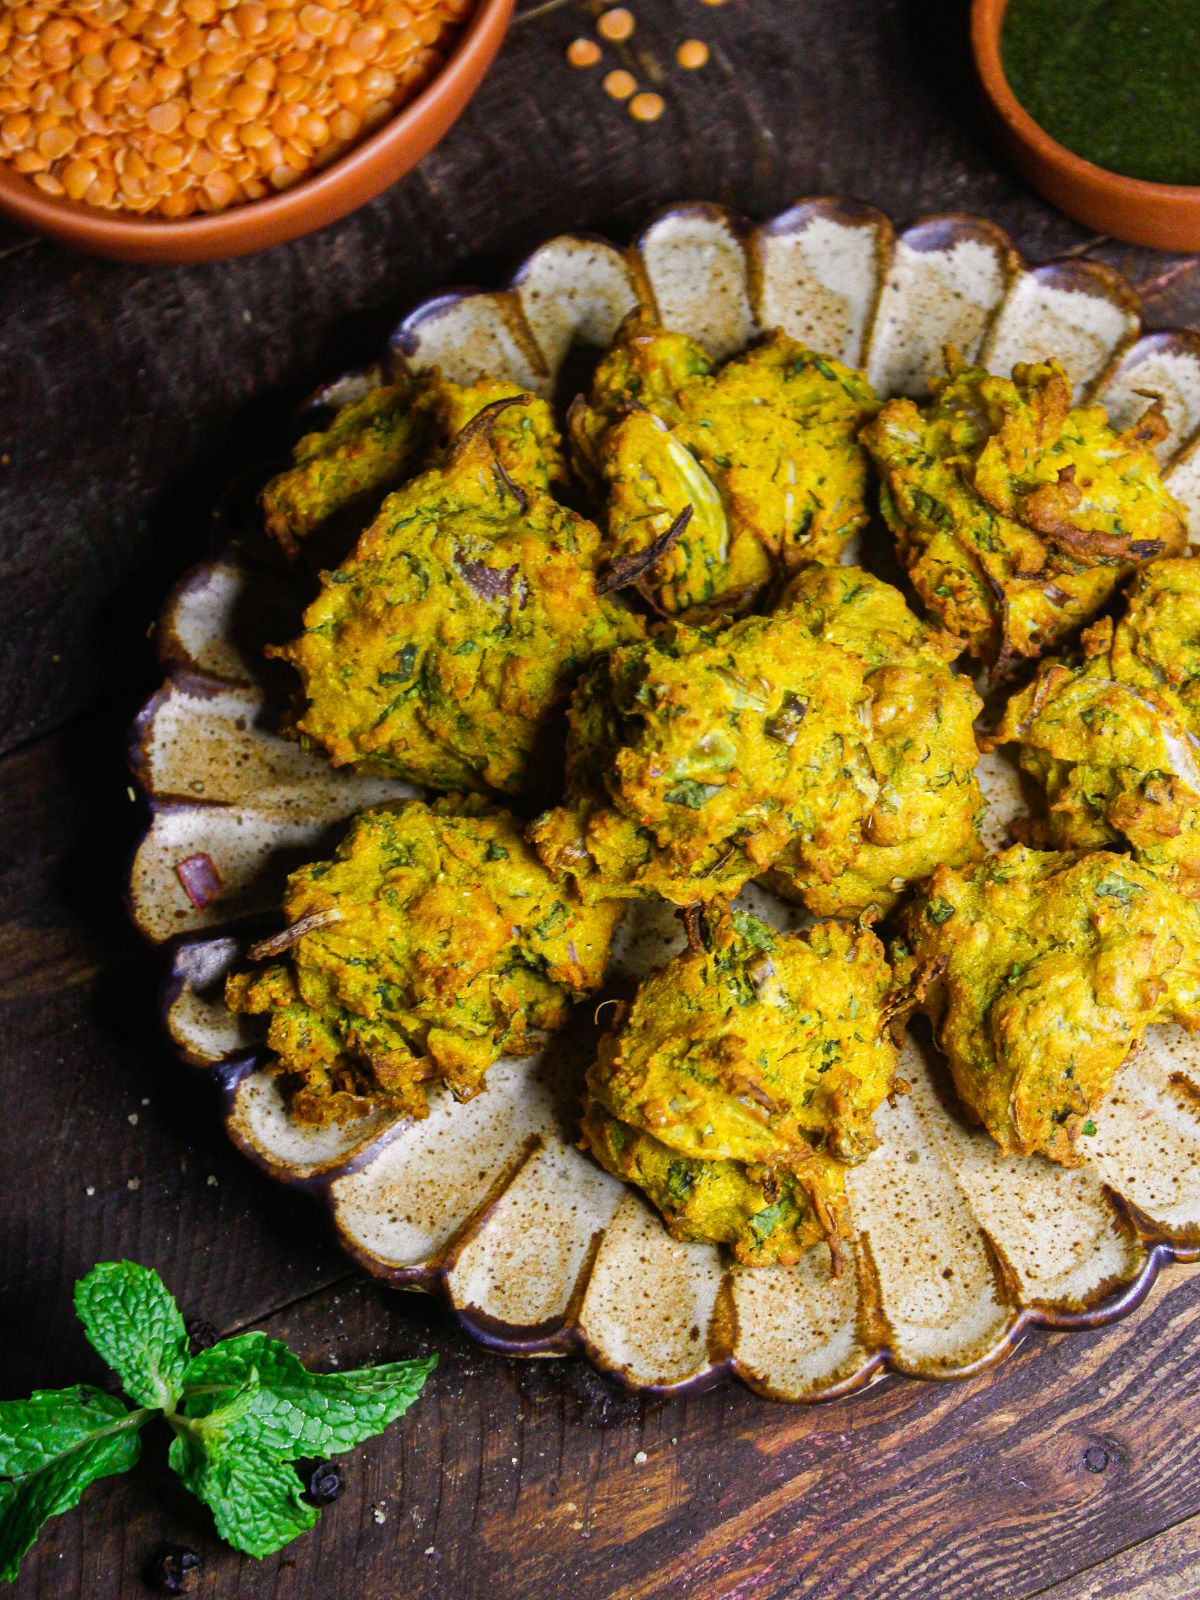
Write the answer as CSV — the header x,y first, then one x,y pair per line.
x,y
490,1204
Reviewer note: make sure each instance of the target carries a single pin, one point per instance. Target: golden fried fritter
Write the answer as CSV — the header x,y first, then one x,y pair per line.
x,y
763,451
921,743
1112,738
742,1078
1041,972
1017,515
340,474
344,470
442,647
437,943
525,437
645,365
696,758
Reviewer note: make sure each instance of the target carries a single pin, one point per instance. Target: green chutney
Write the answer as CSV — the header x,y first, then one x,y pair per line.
x,y
1116,81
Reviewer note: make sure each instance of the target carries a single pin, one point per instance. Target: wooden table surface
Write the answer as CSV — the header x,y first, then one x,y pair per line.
x,y
129,397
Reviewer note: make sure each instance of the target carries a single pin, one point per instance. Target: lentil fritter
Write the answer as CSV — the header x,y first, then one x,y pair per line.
x,y
825,746
920,739
1111,736
742,1078
436,943
763,450
1041,972
1016,514
441,649
340,474
697,757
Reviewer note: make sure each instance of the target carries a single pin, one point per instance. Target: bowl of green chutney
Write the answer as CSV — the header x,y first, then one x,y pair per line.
x,y
1097,103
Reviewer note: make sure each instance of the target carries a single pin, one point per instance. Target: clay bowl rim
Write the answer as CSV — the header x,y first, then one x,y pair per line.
x,y
364,171
987,20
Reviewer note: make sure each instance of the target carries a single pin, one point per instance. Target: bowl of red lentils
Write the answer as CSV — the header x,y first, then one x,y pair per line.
x,y
191,130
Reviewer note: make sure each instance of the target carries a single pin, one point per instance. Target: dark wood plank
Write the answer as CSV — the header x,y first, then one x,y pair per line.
x,y
526,1480
1166,1567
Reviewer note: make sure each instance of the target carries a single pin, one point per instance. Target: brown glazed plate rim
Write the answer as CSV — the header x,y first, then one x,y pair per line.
x,y
562,1335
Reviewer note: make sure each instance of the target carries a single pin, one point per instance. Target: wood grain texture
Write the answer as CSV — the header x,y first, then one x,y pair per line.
x,y
1166,1567
130,398
526,1479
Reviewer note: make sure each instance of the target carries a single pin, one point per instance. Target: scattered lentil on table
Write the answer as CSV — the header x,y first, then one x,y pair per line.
x,y
616,24
176,106
620,84
647,107
583,52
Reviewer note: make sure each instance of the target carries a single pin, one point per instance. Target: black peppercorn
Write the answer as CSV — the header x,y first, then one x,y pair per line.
x,y
323,1482
172,1569
202,1334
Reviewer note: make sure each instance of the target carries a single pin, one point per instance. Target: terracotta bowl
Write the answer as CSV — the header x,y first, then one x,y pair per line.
x,y
343,186
1164,215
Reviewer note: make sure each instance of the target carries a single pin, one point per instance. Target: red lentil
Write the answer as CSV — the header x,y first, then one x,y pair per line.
x,y
176,106
647,107
616,24
583,52
620,84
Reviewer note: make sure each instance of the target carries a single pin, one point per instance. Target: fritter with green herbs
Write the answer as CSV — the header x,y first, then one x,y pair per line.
x,y
698,757
1111,736
443,647
762,450
430,945
1040,972
920,739
1017,514
340,474
741,1080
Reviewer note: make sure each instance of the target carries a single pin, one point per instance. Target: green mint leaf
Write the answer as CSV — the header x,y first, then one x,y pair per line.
x,y
226,1419
52,1446
135,1325
35,1432
253,1496
295,1412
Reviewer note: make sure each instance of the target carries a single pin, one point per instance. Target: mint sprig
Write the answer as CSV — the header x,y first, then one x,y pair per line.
x,y
292,1411
253,1496
136,1326
53,1446
241,1412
